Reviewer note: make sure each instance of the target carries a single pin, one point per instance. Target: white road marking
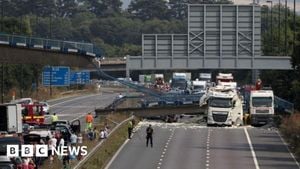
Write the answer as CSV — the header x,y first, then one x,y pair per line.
x,y
116,154
207,149
288,149
252,149
165,149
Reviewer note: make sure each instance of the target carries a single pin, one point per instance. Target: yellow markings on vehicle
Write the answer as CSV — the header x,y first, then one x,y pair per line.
x,y
34,117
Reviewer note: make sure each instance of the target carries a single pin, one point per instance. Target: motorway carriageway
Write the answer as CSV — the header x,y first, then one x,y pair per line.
x,y
75,108
192,146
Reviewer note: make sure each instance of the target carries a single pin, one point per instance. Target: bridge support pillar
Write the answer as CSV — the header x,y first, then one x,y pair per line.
x,y
255,75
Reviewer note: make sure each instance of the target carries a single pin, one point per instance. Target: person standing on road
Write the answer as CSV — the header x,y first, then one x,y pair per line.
x,y
149,132
54,118
130,127
89,119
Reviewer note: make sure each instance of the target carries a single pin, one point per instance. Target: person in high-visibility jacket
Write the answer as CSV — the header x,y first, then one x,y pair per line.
x,y
89,119
54,118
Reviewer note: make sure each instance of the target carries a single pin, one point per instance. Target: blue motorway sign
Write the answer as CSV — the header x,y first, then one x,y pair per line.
x,y
80,77
56,75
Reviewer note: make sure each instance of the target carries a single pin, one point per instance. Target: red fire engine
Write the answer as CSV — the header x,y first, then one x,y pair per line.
x,y
33,114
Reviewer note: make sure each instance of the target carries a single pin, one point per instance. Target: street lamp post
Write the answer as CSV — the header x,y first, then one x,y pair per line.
x,y
285,28
279,28
271,25
294,43
2,84
2,16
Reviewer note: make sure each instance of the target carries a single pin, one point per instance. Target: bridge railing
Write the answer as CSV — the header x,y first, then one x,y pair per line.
x,y
50,44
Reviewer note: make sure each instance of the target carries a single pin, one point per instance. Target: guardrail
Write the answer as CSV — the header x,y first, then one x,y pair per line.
x,y
283,105
82,48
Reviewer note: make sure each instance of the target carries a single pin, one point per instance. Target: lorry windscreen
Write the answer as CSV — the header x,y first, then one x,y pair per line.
x,y
220,102
179,83
199,87
262,101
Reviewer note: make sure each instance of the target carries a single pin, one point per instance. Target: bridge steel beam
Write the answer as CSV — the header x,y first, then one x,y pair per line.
x,y
259,63
156,111
219,36
19,55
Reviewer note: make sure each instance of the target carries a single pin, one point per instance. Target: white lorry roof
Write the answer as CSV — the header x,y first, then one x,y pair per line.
x,y
199,83
205,75
228,84
225,76
179,75
261,93
222,94
159,75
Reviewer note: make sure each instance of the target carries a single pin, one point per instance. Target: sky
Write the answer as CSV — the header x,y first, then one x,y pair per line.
x,y
290,3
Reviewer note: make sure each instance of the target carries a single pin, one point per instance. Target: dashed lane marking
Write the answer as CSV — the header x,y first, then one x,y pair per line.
x,y
165,149
207,149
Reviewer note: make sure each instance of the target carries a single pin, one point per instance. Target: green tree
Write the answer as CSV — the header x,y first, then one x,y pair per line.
x,y
104,7
66,8
117,30
146,10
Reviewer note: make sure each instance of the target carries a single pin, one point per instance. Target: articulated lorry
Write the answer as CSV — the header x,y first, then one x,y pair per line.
x,y
223,103
261,106
224,107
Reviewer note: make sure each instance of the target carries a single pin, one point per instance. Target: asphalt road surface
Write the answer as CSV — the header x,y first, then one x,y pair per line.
x,y
75,108
191,146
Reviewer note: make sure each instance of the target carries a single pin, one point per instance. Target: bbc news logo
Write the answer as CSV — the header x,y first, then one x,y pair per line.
x,y
43,150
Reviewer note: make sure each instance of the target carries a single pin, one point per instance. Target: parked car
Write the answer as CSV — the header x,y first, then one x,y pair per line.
x,y
6,163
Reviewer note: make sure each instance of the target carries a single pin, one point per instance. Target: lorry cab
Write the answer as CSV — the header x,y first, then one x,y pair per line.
x,y
261,106
224,108
199,87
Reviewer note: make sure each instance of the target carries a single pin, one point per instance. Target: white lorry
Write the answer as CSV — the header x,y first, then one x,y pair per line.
x,y
181,83
261,106
224,107
205,77
199,87
11,118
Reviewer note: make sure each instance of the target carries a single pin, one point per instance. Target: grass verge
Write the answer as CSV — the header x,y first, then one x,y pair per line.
x,y
290,128
108,149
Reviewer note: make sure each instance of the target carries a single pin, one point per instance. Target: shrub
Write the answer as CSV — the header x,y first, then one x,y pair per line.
x,y
290,128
